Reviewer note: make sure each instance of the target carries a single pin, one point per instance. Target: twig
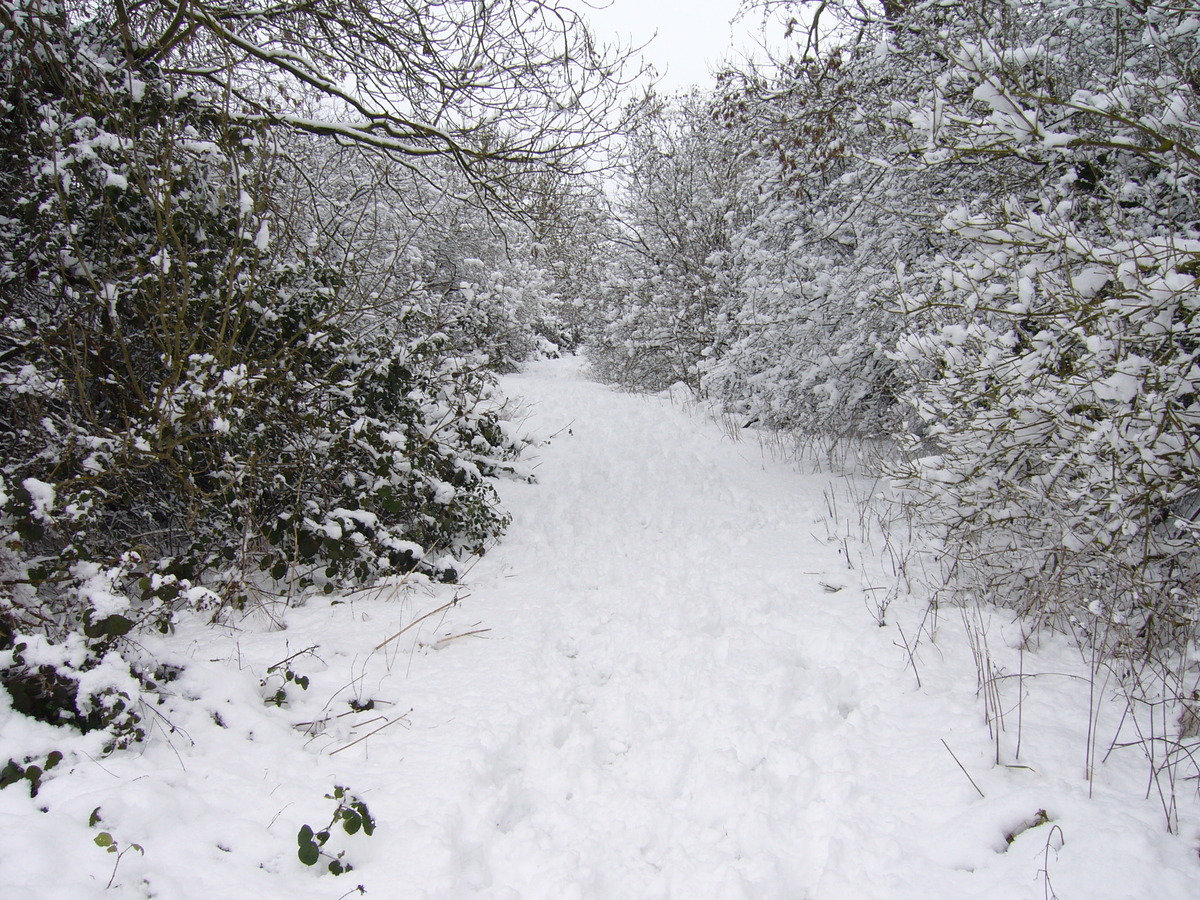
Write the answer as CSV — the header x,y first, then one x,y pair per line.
x,y
961,766
566,427
371,734
455,637
433,612
1048,889
288,659
909,650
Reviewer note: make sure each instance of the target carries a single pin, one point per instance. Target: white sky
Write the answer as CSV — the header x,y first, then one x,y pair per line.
x,y
693,36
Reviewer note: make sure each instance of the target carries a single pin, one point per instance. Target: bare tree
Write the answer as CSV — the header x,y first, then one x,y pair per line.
x,y
503,87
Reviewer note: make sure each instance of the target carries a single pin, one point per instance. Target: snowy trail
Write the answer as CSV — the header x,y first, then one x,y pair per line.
x,y
673,705
666,730
666,682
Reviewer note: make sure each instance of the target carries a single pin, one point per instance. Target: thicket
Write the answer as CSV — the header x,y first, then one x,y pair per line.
x,y
249,322
658,314
971,228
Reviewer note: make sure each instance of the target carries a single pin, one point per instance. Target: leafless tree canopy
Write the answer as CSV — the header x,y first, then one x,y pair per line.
x,y
504,87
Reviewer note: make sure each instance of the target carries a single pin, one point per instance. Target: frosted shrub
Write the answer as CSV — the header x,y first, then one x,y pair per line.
x,y
489,287
813,316
1058,386
662,300
493,311
973,226
191,405
1066,459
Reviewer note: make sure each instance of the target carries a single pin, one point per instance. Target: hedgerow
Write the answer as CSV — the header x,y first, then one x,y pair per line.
x,y
193,408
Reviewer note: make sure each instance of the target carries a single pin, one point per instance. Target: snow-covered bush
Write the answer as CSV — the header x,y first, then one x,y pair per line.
x,y
428,260
761,229
660,302
192,404
1057,386
971,225
815,311
492,310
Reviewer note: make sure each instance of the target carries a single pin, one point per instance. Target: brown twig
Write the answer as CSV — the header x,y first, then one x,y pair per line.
x,y
433,612
961,766
387,724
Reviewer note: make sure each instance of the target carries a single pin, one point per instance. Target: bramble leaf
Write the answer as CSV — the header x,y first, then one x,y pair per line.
x,y
309,853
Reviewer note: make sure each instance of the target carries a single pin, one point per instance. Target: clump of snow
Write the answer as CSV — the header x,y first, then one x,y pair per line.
x,y
42,498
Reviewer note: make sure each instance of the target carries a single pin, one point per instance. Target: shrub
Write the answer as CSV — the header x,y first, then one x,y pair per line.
x,y
191,407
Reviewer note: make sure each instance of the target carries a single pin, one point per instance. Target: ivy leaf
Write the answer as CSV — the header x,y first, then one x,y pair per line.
x,y
109,626
368,823
11,774
309,853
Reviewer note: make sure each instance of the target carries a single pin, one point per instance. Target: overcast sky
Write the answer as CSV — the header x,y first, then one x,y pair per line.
x,y
693,36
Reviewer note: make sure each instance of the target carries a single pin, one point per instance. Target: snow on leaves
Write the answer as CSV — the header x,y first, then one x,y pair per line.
x,y
976,228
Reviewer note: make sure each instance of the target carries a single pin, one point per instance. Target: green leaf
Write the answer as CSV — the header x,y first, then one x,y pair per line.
x,y
309,853
109,626
307,545
305,835
94,818
351,821
29,529
53,759
368,822
11,774
104,839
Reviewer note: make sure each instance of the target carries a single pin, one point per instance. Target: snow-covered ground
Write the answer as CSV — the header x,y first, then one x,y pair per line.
x,y
667,681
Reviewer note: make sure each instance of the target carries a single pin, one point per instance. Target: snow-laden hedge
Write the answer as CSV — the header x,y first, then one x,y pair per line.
x,y
973,227
1058,379
196,404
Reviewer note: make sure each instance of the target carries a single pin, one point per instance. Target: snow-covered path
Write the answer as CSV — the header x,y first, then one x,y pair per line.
x,y
673,720
666,682
675,704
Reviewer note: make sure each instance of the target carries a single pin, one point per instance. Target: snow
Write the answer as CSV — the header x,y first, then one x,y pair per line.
x,y
667,681
41,497
262,239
